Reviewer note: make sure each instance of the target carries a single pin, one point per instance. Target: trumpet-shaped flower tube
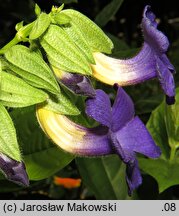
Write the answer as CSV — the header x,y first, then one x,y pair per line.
x,y
119,133
149,63
72,137
14,171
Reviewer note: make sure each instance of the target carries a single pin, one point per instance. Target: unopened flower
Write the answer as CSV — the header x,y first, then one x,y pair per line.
x,y
119,133
149,63
13,170
79,84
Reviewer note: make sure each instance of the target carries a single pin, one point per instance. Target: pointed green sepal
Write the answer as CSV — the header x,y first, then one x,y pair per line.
x,y
62,52
40,26
8,139
79,39
19,25
61,104
61,19
31,67
96,38
37,10
17,93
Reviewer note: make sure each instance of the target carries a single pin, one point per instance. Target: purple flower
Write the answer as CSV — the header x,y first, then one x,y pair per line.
x,y
119,133
127,134
13,170
149,63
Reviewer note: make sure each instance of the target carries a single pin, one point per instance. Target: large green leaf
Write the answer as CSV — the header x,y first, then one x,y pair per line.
x,y
104,176
157,128
17,93
164,126
31,67
95,37
62,52
42,158
8,139
108,12
166,173
77,36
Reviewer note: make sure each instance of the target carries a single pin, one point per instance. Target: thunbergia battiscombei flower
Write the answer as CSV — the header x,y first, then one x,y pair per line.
x,y
119,133
13,170
127,134
149,63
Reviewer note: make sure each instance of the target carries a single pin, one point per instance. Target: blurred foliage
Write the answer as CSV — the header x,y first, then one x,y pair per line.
x,y
104,176
122,24
164,128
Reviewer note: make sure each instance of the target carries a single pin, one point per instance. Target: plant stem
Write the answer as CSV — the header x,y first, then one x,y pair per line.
x,y
21,35
13,42
172,153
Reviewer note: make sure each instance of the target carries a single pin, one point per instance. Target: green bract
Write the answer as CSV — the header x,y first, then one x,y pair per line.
x,y
95,37
40,26
17,93
31,66
79,39
62,51
60,18
61,104
8,140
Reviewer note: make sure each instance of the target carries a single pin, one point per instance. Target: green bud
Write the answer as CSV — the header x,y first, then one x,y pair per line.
x,y
37,10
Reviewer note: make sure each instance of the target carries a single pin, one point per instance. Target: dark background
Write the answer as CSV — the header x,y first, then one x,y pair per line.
x,y
124,25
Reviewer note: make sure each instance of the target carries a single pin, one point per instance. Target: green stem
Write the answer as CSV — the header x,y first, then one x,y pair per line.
x,y
21,35
13,42
172,153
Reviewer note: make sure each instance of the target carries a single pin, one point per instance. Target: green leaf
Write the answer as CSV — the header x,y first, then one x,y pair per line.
x,y
165,173
8,139
17,93
0,73
95,37
163,126
157,128
62,51
40,26
79,39
172,123
42,158
31,67
104,176
108,12
61,104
